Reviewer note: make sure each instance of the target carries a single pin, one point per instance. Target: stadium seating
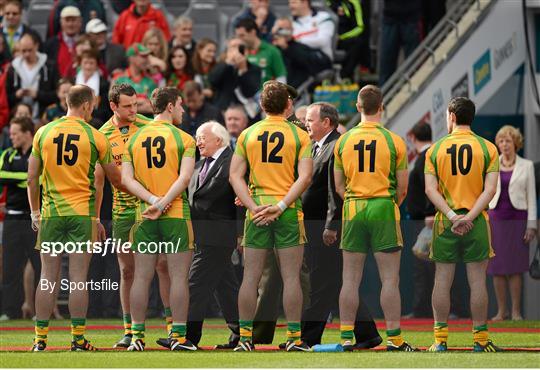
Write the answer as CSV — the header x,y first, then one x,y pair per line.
x,y
38,15
208,21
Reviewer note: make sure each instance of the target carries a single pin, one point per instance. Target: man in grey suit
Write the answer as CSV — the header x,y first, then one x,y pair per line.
x,y
213,212
322,220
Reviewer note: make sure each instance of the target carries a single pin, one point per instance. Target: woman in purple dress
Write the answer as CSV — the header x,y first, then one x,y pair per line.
x,y
513,222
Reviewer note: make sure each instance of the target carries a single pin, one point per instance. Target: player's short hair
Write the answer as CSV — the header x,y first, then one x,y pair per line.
x,y
370,99
327,110
217,129
162,96
26,123
463,108
78,95
513,132
274,97
248,24
421,131
120,89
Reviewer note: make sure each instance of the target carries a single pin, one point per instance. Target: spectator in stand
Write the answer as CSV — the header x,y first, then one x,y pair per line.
x,y
300,60
21,110
135,75
234,79
89,9
31,77
236,121
60,49
120,5
5,55
2,2
353,31
312,27
183,35
179,66
58,109
260,52
136,20
433,11
112,56
154,40
4,64
400,28
204,59
90,75
12,28
197,109
259,11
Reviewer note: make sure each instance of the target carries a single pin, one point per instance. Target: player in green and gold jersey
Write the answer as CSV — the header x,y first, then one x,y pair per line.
x,y
370,172
65,153
462,170
278,156
122,125
157,165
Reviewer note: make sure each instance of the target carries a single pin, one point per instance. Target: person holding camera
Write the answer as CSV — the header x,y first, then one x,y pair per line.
x,y
234,79
300,60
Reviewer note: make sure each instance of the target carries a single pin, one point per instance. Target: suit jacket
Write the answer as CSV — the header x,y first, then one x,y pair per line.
x,y
418,204
521,189
322,187
213,211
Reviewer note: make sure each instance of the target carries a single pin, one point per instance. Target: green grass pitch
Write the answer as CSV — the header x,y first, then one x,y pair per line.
x,y
217,333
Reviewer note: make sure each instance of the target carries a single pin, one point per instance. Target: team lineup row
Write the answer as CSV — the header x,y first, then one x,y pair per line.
x,y
151,163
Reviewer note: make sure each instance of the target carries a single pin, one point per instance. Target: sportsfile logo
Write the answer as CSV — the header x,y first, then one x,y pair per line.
x,y
109,246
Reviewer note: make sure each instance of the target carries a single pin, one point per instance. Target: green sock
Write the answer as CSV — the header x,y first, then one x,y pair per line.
x,y
168,319
127,324
42,330
293,331
246,330
78,327
178,331
138,331
394,336
347,332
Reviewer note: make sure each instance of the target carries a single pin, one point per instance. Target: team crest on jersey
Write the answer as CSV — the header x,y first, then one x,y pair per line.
x,y
124,130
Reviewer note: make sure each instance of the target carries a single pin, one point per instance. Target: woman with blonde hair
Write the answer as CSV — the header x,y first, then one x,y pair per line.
x,y
513,221
155,41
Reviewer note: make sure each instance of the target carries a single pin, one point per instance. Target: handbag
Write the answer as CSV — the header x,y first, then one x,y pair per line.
x,y
534,269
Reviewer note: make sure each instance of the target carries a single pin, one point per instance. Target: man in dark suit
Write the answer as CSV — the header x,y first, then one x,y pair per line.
x,y
213,212
322,221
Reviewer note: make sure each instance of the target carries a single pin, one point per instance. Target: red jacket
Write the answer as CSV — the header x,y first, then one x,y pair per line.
x,y
130,28
4,107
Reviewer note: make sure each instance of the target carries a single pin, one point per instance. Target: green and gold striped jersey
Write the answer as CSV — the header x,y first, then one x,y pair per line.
x,y
124,204
68,149
369,156
156,152
272,147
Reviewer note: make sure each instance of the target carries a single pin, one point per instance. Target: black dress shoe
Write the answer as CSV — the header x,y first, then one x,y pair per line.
x,y
370,343
230,345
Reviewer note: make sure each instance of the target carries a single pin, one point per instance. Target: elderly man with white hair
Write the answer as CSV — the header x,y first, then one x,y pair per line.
x,y
214,214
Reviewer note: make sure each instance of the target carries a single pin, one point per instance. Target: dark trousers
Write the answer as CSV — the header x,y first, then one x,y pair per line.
x,y
212,273
356,52
326,265
395,35
18,242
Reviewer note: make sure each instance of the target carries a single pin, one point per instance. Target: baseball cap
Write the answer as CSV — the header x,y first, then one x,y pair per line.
x,y
137,49
70,11
95,25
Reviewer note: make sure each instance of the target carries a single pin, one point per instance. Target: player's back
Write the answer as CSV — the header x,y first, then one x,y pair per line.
x,y
69,149
460,162
272,148
156,152
369,156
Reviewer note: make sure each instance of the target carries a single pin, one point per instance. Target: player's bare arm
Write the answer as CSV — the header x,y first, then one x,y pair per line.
x,y
186,170
237,174
34,171
133,186
402,177
339,179
99,181
270,214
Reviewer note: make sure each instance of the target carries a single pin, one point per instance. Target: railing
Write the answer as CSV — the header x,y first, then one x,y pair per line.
x,y
441,43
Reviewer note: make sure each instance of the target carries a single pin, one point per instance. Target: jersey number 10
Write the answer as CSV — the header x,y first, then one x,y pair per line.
x,y
461,158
